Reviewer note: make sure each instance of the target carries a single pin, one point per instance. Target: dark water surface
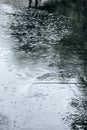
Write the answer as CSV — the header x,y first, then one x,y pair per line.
x,y
43,61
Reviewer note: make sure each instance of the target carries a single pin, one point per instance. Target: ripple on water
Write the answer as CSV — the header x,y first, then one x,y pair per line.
x,y
39,53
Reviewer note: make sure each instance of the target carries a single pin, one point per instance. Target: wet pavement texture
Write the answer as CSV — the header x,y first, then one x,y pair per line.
x,y
43,60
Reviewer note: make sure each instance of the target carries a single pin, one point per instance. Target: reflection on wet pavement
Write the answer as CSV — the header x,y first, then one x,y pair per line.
x,y
43,76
